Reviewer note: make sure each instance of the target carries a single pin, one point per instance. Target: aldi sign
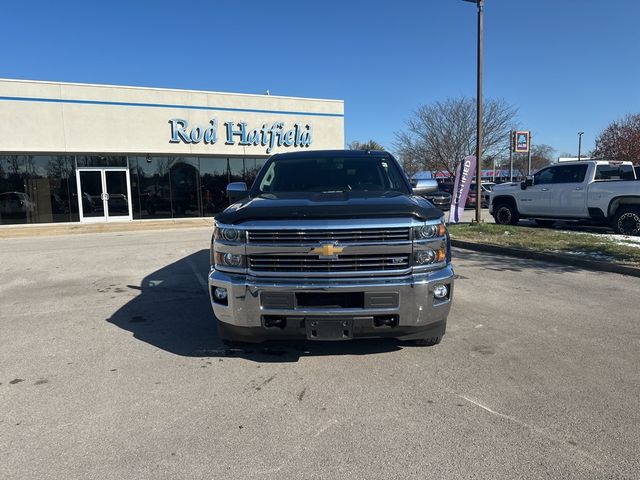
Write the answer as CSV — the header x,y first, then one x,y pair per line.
x,y
522,141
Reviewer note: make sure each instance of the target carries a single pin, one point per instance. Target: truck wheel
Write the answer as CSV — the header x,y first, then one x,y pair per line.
x,y
506,214
427,342
545,223
626,221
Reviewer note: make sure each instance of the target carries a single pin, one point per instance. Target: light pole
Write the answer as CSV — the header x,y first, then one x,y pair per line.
x,y
579,143
480,4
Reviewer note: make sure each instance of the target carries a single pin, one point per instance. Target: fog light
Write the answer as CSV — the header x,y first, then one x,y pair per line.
x,y
232,259
220,293
440,291
424,257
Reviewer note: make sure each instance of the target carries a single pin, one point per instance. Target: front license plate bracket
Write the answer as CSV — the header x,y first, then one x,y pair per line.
x,y
329,328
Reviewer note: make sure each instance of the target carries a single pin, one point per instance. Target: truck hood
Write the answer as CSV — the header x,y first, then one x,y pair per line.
x,y
297,206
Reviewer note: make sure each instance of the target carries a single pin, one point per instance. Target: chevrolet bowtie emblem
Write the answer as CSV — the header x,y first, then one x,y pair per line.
x,y
327,251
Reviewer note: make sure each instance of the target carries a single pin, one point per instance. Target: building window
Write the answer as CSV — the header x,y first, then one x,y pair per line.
x,y
43,189
214,177
150,187
37,189
184,178
101,161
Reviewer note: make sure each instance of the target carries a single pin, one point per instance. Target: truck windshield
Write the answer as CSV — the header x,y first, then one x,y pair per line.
x,y
357,174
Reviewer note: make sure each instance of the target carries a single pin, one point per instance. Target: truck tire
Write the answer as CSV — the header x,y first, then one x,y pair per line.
x,y
506,214
626,221
545,223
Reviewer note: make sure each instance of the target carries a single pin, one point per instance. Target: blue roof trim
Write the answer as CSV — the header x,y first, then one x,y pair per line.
x,y
163,105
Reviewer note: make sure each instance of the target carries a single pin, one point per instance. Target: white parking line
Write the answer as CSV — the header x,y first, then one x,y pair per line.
x,y
198,275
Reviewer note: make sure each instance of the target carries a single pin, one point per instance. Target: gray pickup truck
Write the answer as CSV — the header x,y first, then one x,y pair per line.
x,y
331,245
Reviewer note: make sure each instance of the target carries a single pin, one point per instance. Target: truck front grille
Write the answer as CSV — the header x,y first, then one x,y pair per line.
x,y
360,235
342,264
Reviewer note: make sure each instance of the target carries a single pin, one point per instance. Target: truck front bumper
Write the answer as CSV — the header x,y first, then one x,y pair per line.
x,y
399,307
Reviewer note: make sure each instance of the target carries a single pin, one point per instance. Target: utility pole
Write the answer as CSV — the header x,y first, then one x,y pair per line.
x,y
579,143
529,154
479,132
479,115
480,4
511,155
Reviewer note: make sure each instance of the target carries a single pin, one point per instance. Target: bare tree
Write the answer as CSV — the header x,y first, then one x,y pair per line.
x,y
541,156
620,140
370,145
410,167
439,135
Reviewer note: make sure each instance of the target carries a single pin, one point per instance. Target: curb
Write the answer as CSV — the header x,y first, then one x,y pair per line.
x,y
594,265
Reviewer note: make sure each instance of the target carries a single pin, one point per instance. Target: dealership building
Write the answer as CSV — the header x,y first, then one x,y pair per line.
x,y
102,153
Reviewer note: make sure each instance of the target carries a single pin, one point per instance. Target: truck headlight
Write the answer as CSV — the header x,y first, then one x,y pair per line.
x,y
425,232
425,257
428,256
229,234
229,259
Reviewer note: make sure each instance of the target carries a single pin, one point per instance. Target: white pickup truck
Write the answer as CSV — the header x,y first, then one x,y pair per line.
x,y
593,191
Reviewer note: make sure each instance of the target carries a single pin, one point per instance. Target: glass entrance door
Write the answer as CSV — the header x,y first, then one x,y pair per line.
x,y
105,194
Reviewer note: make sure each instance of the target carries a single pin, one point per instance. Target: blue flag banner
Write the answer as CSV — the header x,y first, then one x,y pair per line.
x,y
464,176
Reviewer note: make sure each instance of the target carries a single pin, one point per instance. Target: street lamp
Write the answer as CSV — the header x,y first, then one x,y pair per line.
x,y
579,143
480,4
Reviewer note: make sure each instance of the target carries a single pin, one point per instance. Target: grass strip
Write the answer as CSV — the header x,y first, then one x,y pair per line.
x,y
586,245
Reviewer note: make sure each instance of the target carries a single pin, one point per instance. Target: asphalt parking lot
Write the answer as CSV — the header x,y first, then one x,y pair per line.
x,y
110,368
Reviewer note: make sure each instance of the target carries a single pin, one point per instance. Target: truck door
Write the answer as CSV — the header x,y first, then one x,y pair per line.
x,y
568,191
534,200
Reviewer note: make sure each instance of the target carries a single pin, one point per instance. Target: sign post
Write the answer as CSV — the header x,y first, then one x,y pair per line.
x,y
511,142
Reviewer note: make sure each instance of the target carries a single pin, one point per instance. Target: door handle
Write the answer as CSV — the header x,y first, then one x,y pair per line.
x,y
544,189
579,188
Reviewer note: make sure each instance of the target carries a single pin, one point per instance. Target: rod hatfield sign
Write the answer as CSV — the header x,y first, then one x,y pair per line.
x,y
267,136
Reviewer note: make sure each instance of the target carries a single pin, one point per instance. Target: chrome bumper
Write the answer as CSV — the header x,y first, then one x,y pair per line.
x,y
417,307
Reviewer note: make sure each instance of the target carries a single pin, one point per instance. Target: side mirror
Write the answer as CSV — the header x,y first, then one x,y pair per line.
x,y
424,186
527,183
236,191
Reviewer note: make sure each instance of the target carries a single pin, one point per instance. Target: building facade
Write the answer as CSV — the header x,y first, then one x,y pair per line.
x,y
99,153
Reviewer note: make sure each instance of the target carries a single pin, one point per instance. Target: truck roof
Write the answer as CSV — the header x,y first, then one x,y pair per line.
x,y
597,162
333,154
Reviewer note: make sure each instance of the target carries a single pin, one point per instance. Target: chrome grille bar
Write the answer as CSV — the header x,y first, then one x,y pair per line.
x,y
324,236
313,263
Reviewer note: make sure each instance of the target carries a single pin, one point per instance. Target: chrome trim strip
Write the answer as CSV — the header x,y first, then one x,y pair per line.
x,y
334,223
350,273
348,249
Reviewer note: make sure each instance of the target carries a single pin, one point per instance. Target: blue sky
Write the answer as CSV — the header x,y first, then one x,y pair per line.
x,y
568,65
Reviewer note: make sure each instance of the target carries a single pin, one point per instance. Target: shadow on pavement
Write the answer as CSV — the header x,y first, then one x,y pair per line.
x,y
173,313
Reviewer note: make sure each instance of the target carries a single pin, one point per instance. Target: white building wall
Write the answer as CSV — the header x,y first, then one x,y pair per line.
x,y
78,118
